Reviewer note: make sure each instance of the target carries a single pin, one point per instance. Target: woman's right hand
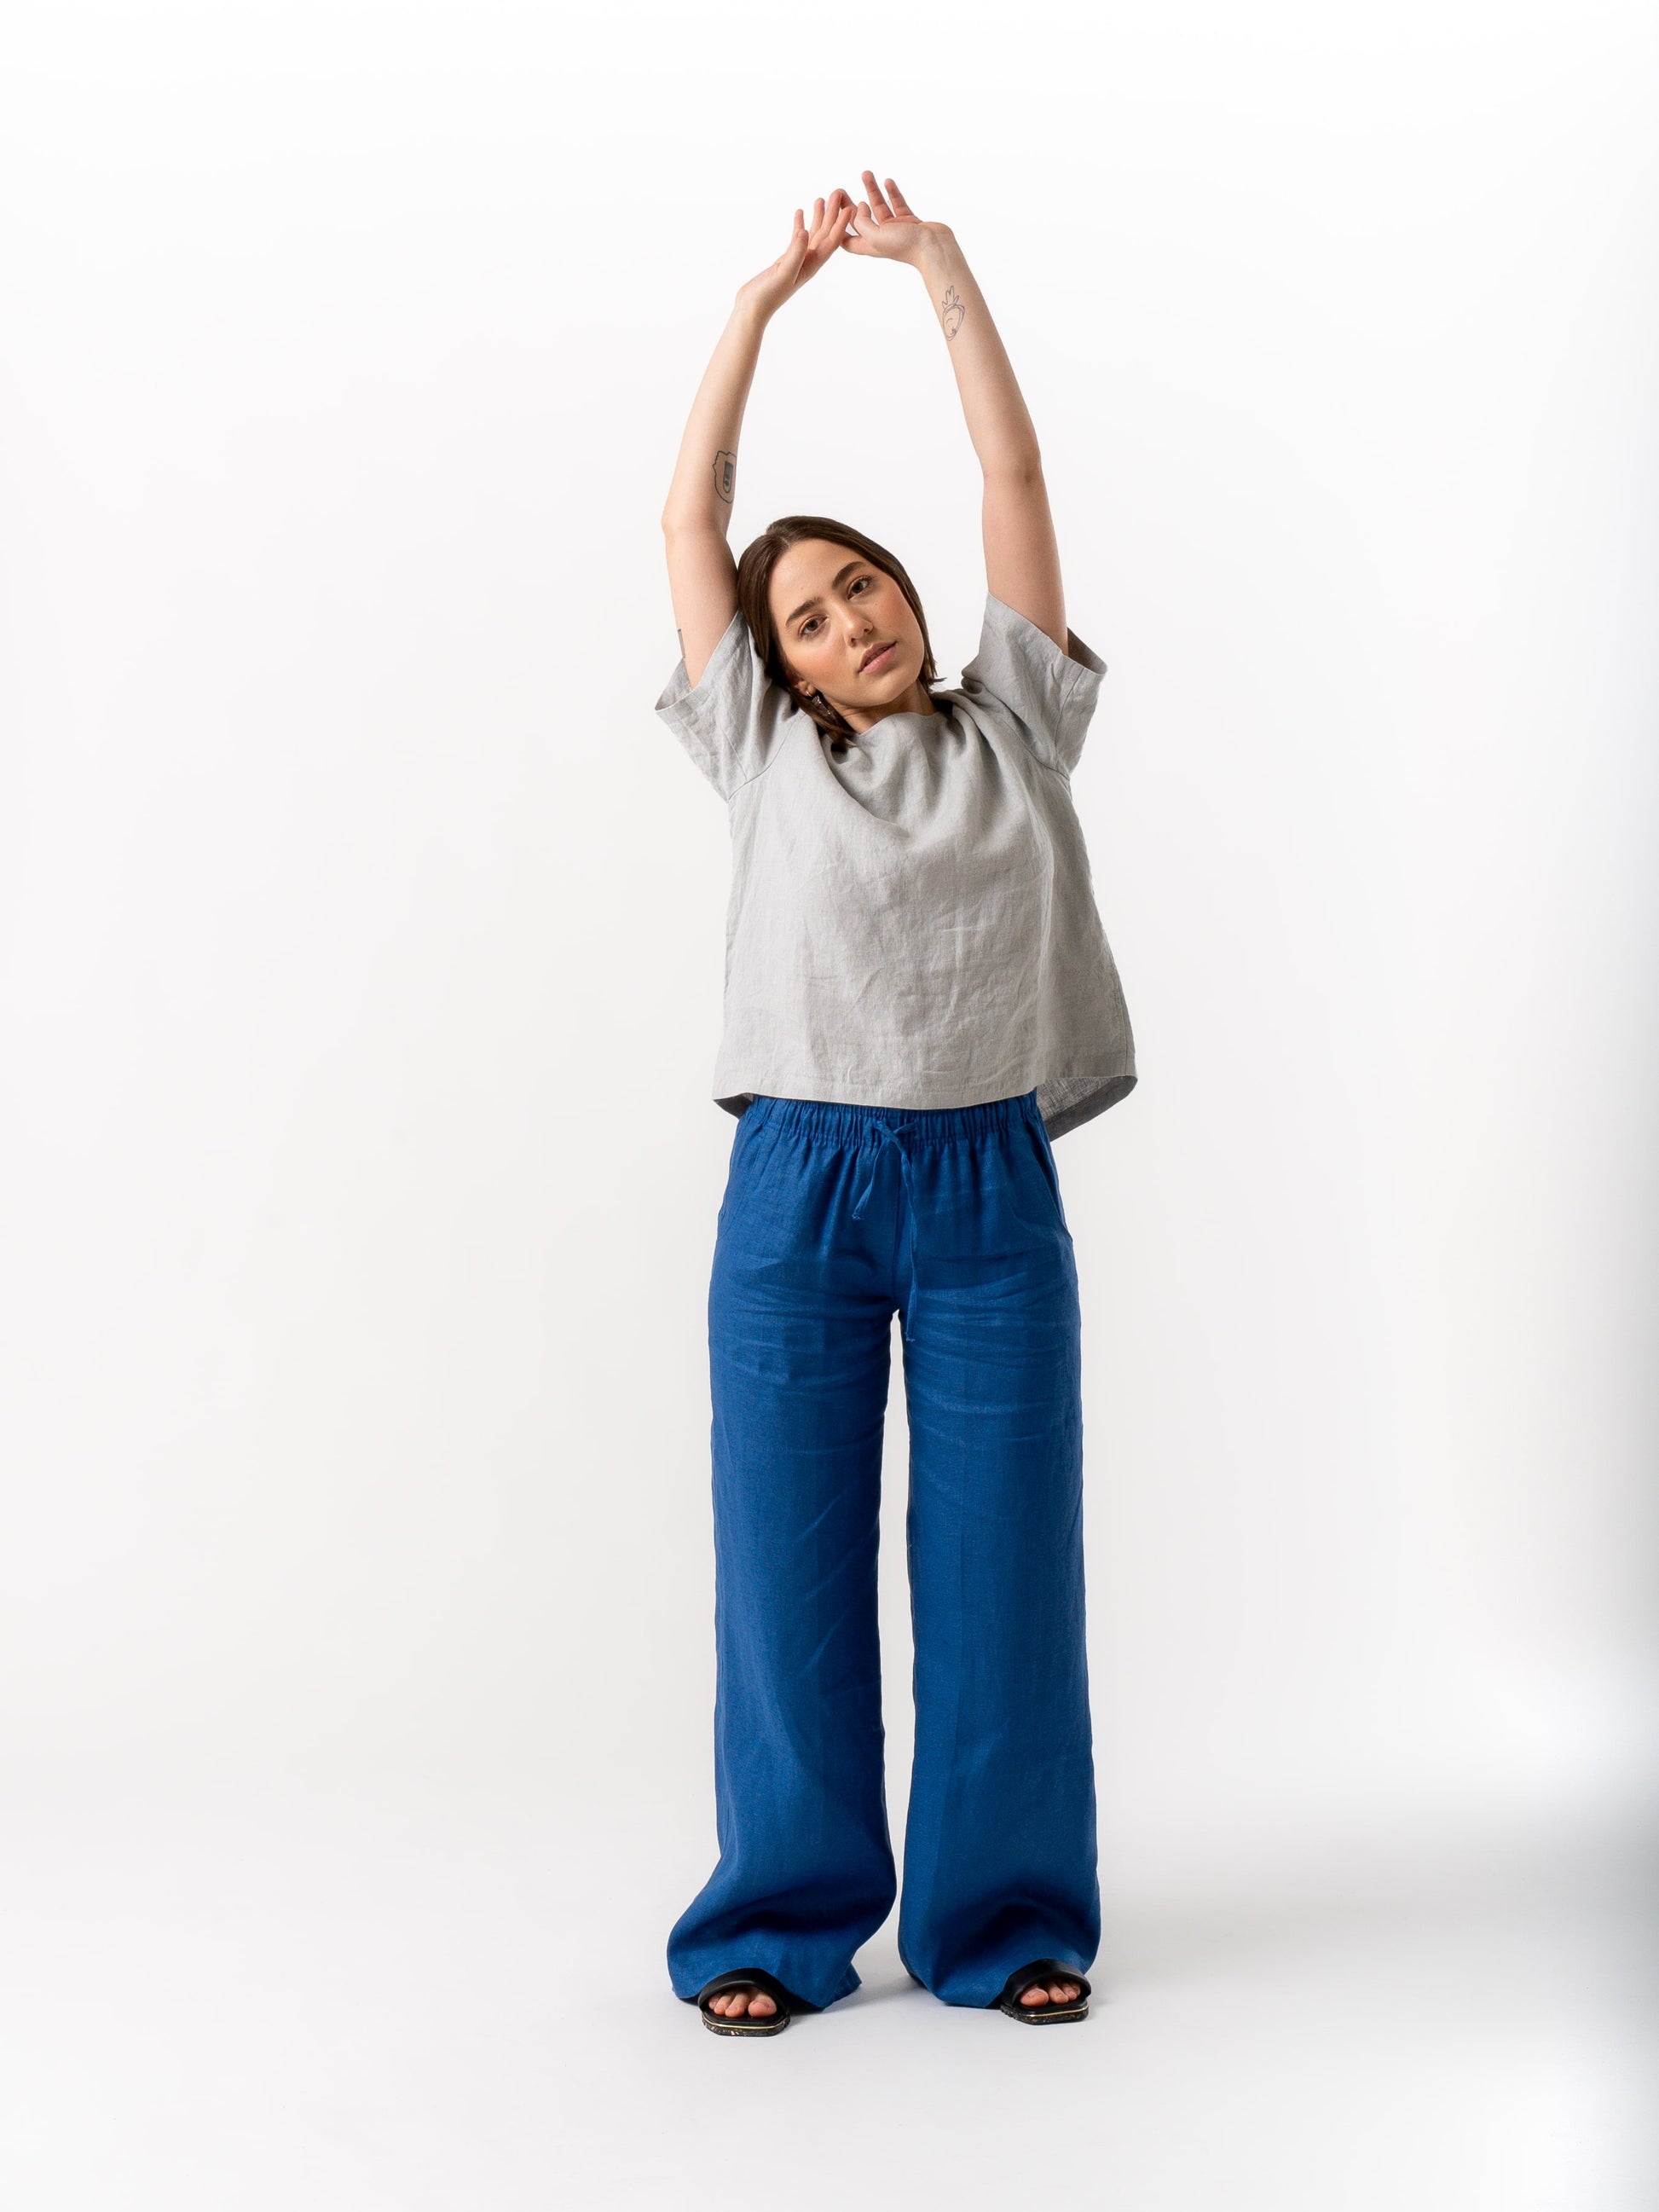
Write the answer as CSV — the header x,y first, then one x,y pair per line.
x,y
805,255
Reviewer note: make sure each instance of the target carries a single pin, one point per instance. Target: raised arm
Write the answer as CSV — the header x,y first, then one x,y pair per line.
x,y
702,577
1022,559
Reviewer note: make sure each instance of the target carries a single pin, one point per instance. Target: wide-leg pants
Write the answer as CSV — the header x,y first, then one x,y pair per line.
x,y
834,1217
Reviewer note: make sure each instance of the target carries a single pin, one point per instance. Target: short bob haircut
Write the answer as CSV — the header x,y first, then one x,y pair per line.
x,y
754,581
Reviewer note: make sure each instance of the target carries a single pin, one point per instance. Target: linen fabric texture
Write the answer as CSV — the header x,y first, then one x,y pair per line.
x,y
912,920
834,1218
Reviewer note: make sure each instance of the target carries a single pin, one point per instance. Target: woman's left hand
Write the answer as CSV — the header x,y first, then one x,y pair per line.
x,y
885,225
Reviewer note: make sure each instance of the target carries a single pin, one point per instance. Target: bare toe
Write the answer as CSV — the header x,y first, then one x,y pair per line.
x,y
732,2004
1036,1995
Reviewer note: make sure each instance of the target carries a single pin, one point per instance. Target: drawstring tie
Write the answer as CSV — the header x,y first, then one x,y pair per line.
x,y
889,1136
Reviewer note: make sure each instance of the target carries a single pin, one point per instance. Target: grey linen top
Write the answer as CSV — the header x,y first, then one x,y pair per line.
x,y
912,920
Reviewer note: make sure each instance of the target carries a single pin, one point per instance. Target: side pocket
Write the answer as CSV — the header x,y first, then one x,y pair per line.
x,y
1045,1152
736,1172
730,1191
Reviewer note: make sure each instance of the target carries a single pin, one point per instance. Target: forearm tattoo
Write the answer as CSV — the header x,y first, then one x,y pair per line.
x,y
725,475
953,310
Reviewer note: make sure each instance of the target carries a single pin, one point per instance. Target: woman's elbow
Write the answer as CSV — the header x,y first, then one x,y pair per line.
x,y
1023,468
677,522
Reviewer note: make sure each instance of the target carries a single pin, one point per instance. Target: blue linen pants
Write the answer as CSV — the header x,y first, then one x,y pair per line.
x,y
834,1217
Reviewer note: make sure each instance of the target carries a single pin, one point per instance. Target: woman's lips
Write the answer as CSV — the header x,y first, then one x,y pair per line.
x,y
877,657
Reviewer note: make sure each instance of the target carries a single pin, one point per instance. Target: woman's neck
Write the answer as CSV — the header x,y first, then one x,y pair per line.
x,y
916,700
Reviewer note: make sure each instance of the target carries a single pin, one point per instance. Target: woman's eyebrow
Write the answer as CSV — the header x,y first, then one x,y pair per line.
x,y
807,605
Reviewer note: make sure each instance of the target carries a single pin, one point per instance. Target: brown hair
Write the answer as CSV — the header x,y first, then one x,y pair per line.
x,y
754,570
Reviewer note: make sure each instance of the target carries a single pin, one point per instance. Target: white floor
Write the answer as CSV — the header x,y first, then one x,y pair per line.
x,y
226,2006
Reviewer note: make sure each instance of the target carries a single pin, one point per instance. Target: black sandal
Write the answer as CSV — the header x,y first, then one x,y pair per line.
x,y
749,1978
1043,1970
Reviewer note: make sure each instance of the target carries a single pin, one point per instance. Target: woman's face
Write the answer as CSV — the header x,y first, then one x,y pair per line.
x,y
846,630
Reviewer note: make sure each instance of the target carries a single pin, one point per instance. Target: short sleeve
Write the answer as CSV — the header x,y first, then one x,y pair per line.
x,y
1050,694
732,720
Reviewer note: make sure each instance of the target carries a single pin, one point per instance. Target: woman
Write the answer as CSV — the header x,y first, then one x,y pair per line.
x,y
919,996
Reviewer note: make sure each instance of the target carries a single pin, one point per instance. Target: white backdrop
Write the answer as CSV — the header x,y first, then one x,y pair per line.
x,y
360,984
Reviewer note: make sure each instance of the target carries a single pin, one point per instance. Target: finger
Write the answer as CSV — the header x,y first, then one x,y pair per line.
x,y
835,233
878,204
900,205
861,230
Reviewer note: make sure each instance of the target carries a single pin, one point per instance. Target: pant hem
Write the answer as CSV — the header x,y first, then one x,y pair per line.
x,y
801,1987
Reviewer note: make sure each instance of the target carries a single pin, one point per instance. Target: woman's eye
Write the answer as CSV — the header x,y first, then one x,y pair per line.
x,y
857,580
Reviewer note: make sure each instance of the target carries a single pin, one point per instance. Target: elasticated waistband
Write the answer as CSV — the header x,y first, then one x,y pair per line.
x,y
921,1125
